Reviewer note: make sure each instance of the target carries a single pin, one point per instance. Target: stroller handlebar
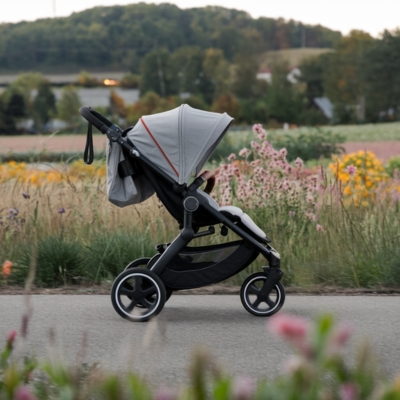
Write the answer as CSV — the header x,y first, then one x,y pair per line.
x,y
96,119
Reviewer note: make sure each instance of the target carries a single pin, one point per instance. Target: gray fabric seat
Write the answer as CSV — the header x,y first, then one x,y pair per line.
x,y
237,212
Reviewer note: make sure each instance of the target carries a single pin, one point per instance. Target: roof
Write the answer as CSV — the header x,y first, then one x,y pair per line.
x,y
325,105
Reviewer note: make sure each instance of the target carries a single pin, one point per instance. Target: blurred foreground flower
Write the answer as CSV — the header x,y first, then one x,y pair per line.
x,y
26,195
24,393
7,266
61,210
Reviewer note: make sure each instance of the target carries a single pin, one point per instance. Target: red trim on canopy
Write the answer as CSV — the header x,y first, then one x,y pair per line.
x,y
162,151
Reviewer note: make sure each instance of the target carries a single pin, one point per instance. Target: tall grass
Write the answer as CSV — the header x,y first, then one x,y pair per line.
x,y
324,237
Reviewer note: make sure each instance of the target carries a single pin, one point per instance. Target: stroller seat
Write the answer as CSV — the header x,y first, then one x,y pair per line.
x,y
244,218
237,215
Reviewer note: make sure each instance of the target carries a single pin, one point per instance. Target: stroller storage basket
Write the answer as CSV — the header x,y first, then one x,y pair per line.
x,y
200,266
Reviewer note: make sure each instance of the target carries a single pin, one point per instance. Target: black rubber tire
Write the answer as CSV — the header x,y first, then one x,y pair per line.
x,y
143,262
129,289
265,308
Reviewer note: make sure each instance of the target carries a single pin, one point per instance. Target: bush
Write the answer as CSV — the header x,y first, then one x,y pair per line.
x,y
393,164
58,262
314,144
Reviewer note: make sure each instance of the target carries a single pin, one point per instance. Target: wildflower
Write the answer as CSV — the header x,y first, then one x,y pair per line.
x,y
351,169
243,388
26,195
244,152
299,163
255,145
166,393
257,128
61,210
232,157
320,228
288,326
348,391
10,339
283,152
6,270
341,336
24,393
292,214
13,211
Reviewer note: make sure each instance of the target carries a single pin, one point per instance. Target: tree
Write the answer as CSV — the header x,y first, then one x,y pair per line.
x,y
44,104
284,102
69,105
381,75
7,123
344,78
215,80
16,106
155,73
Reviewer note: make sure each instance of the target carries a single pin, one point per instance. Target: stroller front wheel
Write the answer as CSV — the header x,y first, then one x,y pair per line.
x,y
249,295
138,294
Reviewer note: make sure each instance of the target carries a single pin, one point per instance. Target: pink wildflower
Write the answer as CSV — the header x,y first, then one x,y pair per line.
x,y
257,128
255,145
299,163
320,228
292,214
11,339
244,388
283,152
24,393
351,169
166,393
288,326
262,135
341,336
232,157
244,152
348,391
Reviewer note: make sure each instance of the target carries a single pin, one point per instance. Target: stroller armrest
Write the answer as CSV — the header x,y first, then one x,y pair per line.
x,y
206,176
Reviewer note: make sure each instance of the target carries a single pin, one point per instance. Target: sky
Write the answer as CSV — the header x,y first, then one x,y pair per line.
x,y
373,16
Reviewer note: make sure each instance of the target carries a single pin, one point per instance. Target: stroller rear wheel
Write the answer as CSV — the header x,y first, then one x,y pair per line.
x,y
249,295
138,294
145,263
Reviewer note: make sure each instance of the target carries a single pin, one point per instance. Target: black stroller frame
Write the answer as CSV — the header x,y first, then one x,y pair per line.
x,y
141,290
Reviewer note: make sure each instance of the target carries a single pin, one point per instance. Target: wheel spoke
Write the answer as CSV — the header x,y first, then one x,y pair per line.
x,y
151,290
126,291
131,305
269,302
138,282
256,303
254,290
146,303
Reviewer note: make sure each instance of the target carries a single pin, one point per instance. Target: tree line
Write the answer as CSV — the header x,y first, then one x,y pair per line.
x,y
118,37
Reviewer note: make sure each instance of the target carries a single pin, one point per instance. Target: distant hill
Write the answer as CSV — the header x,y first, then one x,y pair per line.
x,y
117,37
293,57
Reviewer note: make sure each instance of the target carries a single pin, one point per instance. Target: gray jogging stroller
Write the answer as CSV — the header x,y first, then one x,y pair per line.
x,y
158,155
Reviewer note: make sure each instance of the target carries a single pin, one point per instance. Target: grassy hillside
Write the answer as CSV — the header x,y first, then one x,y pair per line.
x,y
291,56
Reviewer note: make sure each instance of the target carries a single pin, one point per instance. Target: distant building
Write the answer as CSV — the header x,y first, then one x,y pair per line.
x,y
325,106
265,74
294,75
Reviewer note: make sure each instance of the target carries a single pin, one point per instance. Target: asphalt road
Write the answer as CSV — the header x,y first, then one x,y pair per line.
x,y
160,350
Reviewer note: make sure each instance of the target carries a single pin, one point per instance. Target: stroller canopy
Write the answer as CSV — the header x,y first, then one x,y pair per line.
x,y
179,141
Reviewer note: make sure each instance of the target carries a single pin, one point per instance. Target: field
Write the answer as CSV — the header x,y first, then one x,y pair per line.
x,y
292,56
381,139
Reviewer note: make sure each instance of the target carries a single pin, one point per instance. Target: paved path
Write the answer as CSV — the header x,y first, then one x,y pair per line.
x,y
161,350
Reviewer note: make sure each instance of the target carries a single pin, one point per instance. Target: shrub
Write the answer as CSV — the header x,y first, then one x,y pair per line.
x,y
314,144
393,164
58,262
